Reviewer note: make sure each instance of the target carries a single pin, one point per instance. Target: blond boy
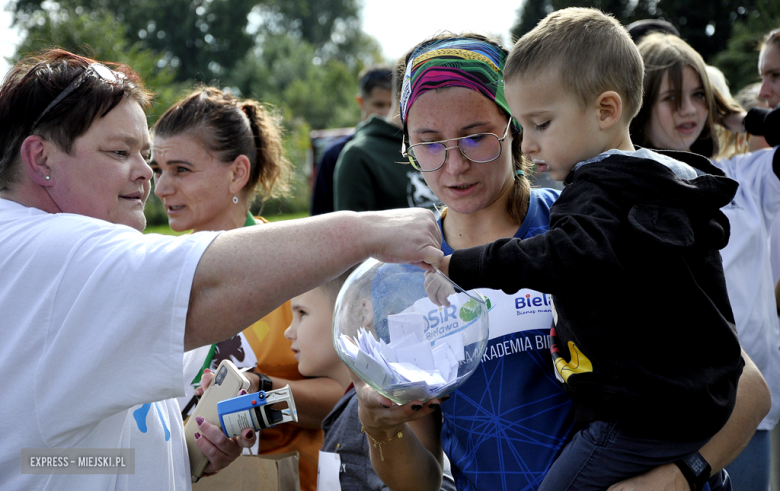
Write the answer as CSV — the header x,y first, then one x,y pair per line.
x,y
644,336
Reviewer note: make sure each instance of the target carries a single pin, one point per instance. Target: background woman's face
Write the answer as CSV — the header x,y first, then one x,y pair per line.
x,y
193,184
462,185
671,128
105,175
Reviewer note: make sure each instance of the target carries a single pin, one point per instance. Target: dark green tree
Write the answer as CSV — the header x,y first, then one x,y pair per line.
x,y
205,39
739,61
706,26
280,71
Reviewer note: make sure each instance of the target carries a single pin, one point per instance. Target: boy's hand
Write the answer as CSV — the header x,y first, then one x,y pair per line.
x,y
438,288
445,265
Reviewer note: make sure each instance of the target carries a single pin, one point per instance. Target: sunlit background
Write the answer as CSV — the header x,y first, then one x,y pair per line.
x,y
303,56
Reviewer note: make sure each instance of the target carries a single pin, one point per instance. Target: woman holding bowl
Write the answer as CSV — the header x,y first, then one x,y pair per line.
x,y
505,426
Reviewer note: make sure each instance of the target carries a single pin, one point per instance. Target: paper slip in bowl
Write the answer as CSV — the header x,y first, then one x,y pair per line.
x,y
395,338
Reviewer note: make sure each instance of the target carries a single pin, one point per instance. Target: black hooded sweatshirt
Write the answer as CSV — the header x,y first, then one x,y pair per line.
x,y
644,333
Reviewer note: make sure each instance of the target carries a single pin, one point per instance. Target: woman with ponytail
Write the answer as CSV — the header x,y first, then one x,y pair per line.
x,y
212,156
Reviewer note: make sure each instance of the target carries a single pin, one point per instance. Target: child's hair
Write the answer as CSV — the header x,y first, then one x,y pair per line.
x,y
664,53
228,127
332,288
590,51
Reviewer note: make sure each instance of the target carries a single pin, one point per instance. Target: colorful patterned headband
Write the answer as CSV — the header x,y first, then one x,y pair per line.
x,y
455,62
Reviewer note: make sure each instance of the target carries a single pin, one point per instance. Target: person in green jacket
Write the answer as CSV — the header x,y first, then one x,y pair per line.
x,y
371,174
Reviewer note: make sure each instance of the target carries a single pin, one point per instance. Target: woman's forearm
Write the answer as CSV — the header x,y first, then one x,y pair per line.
x,y
246,273
405,463
411,460
753,403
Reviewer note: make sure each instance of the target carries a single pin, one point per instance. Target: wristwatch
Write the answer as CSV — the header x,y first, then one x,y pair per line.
x,y
266,383
695,469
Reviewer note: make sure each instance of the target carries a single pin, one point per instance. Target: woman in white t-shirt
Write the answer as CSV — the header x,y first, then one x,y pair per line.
x,y
99,321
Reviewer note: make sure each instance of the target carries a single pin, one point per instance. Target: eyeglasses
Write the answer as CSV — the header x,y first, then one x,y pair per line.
x,y
480,148
96,69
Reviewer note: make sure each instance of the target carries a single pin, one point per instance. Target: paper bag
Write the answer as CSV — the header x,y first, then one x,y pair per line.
x,y
255,473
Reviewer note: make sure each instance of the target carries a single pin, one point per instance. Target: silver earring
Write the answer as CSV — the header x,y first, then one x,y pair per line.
x,y
235,200
47,177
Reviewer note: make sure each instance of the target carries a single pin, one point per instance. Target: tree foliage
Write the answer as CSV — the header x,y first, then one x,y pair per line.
x,y
300,56
101,36
205,39
707,26
739,61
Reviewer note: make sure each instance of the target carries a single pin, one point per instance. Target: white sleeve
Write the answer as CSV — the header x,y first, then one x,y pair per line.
x,y
116,332
757,180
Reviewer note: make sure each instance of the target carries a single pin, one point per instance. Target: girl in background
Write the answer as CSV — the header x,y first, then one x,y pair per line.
x,y
682,110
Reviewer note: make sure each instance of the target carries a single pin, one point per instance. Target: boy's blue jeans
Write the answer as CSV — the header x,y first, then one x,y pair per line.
x,y
601,455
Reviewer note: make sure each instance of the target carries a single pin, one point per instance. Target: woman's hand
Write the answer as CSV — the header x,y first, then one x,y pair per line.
x,y
381,417
219,449
438,288
205,380
412,462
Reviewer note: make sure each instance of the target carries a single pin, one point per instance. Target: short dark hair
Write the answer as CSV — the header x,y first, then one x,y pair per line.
x,y
34,82
380,76
641,28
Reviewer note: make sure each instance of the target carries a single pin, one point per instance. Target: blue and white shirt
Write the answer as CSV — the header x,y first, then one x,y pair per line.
x,y
506,425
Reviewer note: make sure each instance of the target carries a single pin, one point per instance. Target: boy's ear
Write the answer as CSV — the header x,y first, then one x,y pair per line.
x,y
610,107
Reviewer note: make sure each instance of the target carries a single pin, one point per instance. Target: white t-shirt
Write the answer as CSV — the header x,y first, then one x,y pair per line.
x,y
93,316
746,261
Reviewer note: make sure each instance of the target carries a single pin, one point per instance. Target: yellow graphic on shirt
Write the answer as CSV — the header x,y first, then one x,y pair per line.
x,y
259,330
579,363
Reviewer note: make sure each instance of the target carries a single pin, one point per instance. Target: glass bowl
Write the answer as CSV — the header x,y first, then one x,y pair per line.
x,y
407,347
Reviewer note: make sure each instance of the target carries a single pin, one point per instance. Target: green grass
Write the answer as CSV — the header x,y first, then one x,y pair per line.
x,y
166,230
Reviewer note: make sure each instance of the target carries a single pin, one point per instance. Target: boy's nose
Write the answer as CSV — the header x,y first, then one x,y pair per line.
x,y
527,146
